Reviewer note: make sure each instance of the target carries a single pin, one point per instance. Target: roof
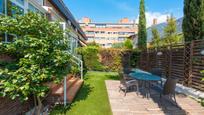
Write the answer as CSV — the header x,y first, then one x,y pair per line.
x,y
68,15
160,28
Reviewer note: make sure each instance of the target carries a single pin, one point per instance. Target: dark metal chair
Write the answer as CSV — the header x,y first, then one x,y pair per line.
x,y
169,89
156,71
127,85
126,72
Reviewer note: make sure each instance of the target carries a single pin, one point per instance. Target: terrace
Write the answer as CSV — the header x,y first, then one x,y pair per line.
x,y
101,91
44,69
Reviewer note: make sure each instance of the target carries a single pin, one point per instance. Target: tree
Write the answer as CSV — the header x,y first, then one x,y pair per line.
x,y
156,38
118,45
41,56
128,44
142,34
193,22
170,35
93,44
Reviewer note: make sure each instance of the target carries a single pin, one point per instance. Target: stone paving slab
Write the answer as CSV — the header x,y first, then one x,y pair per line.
x,y
133,104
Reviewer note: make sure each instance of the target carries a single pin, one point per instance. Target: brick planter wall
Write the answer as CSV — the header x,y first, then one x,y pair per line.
x,y
14,107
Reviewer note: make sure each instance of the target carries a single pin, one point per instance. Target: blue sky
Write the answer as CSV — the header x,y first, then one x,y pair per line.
x,y
113,10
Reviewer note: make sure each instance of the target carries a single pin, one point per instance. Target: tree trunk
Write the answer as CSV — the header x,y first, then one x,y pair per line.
x,y
35,105
39,105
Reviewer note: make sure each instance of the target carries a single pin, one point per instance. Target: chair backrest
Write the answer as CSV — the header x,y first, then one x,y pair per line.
x,y
126,70
170,86
156,71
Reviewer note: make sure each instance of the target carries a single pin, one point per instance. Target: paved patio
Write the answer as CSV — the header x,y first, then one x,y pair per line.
x,y
133,104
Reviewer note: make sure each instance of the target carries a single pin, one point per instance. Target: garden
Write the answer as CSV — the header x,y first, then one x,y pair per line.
x,y
39,55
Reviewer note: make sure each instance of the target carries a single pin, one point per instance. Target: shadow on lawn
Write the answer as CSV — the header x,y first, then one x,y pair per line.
x,y
81,95
112,77
84,92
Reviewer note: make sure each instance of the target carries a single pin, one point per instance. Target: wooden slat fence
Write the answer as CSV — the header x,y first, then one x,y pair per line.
x,y
197,63
181,61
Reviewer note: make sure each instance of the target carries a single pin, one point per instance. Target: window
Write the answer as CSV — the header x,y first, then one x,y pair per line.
x,y
39,2
109,44
2,38
32,8
122,33
112,38
21,2
97,38
100,25
7,37
121,39
102,44
115,32
102,32
2,4
14,9
73,45
10,37
90,32
90,39
97,32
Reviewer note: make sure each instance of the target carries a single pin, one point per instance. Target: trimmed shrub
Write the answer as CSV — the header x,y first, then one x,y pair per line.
x,y
91,58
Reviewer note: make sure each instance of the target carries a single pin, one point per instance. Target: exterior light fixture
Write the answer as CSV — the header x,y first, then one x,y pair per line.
x,y
202,52
159,53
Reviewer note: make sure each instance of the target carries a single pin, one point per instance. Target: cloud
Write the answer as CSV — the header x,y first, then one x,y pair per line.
x,y
150,16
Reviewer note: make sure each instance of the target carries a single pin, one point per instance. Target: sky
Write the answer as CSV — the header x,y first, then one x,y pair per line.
x,y
114,10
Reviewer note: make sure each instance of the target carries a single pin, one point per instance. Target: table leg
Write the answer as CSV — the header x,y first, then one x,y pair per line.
x,y
161,83
149,88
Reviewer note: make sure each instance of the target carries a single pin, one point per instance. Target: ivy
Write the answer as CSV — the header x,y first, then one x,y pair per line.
x,y
91,57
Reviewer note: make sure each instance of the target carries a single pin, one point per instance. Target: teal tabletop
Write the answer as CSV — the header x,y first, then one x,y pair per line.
x,y
143,75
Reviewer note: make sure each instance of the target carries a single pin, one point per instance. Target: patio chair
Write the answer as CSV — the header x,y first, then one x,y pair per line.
x,y
158,72
169,89
127,85
126,72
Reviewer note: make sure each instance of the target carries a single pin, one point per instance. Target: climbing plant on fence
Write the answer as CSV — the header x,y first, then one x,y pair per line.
x,y
134,57
108,59
91,57
111,59
40,55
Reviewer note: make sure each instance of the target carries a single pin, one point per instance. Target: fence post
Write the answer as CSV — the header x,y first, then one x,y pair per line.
x,y
170,61
166,61
188,63
148,61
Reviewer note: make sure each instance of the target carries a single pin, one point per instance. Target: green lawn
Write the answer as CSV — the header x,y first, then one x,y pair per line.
x,y
92,98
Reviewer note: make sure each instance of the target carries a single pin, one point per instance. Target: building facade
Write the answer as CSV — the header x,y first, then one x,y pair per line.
x,y
54,10
107,34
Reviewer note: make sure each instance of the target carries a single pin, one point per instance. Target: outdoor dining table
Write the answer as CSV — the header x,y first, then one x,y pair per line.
x,y
145,77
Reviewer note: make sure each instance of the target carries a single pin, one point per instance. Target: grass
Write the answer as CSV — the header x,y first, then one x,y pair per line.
x,y
92,98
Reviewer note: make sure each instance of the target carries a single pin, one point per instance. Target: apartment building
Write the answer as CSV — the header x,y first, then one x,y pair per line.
x,y
107,34
54,10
